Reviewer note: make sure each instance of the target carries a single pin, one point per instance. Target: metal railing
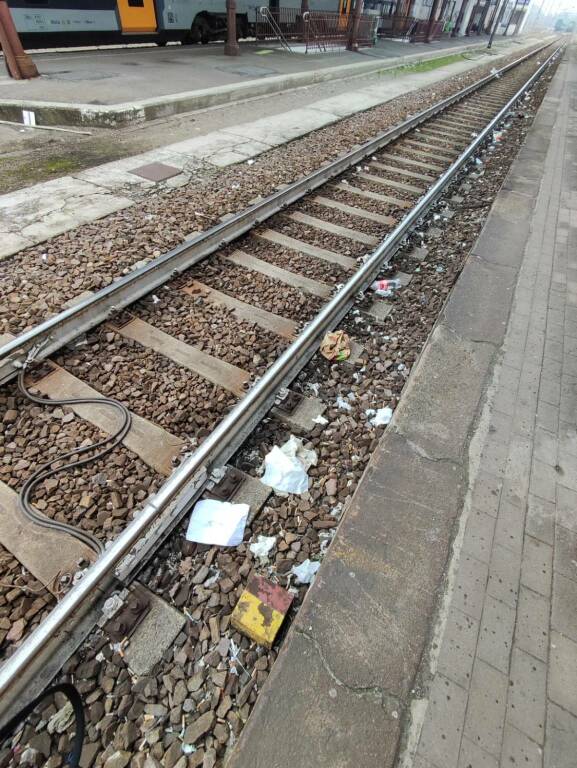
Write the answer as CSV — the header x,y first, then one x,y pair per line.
x,y
408,28
285,25
396,27
316,31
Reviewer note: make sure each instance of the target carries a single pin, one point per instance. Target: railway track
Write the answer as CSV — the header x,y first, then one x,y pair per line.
x,y
198,345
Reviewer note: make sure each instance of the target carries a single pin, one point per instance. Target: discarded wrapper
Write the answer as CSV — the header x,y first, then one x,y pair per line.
x,y
336,346
343,404
260,610
386,287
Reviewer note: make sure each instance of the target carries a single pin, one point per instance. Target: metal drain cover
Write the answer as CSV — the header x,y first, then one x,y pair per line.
x,y
156,171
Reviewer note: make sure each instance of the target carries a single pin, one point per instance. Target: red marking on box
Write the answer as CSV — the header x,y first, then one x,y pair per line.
x,y
270,594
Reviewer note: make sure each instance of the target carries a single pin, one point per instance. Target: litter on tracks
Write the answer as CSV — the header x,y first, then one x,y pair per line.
x,y
306,571
386,288
343,404
381,417
336,345
262,546
218,523
286,467
260,610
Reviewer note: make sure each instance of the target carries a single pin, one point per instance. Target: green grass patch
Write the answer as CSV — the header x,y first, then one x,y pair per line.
x,y
425,66
59,165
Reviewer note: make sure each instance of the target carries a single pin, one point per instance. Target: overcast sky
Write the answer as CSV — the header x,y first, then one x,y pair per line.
x,y
556,6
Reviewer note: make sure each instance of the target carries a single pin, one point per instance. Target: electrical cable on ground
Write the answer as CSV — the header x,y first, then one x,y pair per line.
x,y
71,693
48,469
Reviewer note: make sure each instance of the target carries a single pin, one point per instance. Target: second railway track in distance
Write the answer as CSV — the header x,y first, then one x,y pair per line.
x,y
197,346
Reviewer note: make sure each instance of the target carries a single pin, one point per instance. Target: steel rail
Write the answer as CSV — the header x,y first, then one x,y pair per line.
x,y
50,335
186,480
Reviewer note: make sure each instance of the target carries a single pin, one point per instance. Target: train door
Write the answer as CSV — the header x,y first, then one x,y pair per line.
x,y
137,16
344,11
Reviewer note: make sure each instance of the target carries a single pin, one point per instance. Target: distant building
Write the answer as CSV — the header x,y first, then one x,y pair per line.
x,y
408,18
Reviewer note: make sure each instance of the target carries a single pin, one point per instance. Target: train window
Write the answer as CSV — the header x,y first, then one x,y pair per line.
x,y
136,3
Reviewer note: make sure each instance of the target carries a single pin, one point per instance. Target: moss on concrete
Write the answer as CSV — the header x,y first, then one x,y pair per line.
x,y
427,65
34,164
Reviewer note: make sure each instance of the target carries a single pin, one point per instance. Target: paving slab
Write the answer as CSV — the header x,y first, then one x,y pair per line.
x,y
458,647
527,700
443,728
486,706
29,216
496,634
562,738
565,561
562,678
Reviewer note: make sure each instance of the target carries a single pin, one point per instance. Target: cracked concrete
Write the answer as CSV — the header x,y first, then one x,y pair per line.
x,y
65,203
330,723
389,703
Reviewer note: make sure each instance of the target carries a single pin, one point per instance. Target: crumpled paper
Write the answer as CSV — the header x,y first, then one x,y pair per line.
x,y
285,468
336,346
382,417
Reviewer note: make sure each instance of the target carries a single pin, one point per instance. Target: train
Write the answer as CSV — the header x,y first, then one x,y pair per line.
x,y
60,23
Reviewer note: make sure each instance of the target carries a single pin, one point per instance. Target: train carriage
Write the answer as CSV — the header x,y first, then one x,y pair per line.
x,y
54,23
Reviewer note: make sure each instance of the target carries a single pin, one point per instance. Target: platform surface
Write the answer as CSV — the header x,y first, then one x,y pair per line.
x,y
120,75
505,691
441,630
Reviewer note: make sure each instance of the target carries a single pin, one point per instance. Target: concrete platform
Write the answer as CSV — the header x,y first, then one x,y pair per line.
x,y
33,214
440,631
181,79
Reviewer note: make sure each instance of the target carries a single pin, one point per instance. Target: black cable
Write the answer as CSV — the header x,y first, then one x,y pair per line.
x,y
47,470
73,757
